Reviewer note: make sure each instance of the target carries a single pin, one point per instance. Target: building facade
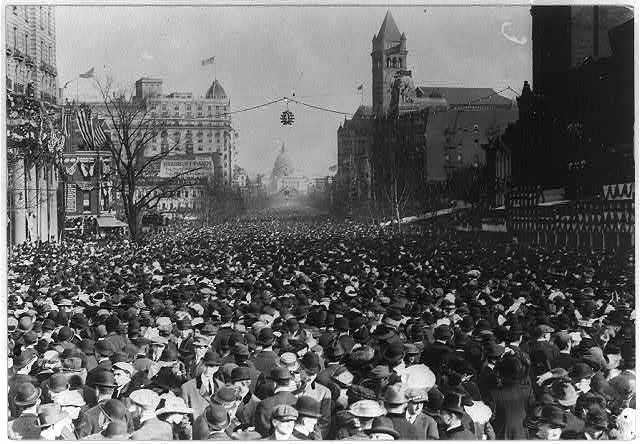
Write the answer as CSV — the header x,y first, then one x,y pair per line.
x,y
418,135
197,133
555,168
31,51
563,37
353,178
88,173
32,94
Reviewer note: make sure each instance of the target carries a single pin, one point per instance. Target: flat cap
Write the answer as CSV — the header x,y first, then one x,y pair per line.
x,y
284,413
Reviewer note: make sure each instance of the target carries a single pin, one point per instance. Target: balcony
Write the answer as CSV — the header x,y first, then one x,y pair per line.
x,y
29,61
49,69
18,55
9,50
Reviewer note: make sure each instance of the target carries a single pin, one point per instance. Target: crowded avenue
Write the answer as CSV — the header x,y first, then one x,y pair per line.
x,y
286,324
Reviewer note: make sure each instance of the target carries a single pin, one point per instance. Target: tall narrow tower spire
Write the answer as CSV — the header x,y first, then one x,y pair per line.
x,y
388,56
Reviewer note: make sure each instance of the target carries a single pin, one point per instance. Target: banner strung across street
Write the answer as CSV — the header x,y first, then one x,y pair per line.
x,y
196,168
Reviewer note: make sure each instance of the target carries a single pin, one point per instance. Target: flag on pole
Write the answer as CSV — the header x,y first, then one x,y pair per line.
x,y
88,74
83,117
208,61
360,87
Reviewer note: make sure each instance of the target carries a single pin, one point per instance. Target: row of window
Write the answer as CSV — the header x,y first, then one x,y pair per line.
x,y
185,193
46,51
41,13
199,135
188,115
21,75
188,106
180,149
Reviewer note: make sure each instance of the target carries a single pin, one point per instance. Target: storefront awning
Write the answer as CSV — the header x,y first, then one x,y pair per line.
x,y
110,222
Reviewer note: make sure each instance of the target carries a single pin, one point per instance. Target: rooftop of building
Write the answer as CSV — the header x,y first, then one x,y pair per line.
x,y
464,96
389,30
216,91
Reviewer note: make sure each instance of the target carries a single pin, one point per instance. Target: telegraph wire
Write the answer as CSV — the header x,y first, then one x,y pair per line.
x,y
320,108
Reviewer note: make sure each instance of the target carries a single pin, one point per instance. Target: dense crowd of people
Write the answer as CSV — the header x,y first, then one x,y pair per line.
x,y
284,327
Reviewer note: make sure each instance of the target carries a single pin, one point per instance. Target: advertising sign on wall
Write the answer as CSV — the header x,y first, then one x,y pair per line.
x,y
186,168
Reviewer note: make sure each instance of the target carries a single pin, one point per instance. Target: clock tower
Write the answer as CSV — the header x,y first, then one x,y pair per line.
x,y
388,61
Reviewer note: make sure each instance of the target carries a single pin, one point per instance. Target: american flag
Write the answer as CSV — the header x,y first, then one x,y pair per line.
x,y
100,136
83,117
66,122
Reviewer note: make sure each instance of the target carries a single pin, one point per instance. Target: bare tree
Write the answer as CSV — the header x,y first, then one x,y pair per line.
x,y
134,126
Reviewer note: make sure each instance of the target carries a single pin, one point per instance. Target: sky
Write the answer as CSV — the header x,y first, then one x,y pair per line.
x,y
265,53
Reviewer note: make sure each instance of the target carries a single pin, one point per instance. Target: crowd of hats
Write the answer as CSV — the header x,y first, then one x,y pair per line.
x,y
393,296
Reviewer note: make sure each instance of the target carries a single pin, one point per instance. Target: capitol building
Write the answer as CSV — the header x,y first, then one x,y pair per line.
x,y
284,178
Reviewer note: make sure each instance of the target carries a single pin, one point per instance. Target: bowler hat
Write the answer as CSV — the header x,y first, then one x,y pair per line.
x,y
217,417
240,349
442,332
453,402
308,406
212,359
383,425
64,334
310,362
225,395
240,374
105,348
78,321
280,375
26,394
103,378
58,382
265,337
394,352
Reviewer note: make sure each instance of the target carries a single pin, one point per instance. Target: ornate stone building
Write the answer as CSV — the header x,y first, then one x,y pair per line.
x,y
424,133
32,93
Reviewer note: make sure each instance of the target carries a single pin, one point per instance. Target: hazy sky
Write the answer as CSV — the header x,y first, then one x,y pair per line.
x,y
263,53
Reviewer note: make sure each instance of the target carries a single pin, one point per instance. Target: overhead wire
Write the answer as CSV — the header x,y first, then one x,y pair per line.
x,y
330,110
319,107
